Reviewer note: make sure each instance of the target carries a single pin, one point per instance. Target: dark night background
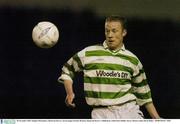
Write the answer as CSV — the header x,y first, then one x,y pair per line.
x,y
28,85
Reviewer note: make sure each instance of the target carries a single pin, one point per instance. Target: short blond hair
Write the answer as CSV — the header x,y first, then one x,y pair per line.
x,y
120,19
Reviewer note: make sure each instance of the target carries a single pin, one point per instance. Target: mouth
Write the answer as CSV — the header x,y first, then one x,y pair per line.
x,y
110,41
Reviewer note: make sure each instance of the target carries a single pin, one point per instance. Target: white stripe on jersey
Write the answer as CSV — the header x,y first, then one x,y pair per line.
x,y
98,101
95,47
143,101
143,89
65,70
64,77
76,67
140,78
106,87
74,63
81,56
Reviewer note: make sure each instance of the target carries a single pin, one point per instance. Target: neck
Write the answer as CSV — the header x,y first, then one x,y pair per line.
x,y
117,48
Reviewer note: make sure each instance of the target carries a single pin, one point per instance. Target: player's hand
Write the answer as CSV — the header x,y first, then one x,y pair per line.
x,y
69,100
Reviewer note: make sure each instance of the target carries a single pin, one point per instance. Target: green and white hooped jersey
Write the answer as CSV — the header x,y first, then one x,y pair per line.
x,y
110,77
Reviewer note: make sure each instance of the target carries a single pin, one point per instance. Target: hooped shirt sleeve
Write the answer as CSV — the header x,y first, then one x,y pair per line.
x,y
140,87
73,65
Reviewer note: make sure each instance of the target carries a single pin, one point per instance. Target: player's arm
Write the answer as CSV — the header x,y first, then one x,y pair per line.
x,y
143,92
69,69
69,93
152,110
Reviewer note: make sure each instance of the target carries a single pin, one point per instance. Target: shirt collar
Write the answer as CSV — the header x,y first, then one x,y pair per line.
x,y
106,47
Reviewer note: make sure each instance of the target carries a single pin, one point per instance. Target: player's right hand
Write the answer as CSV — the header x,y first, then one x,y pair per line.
x,y
69,100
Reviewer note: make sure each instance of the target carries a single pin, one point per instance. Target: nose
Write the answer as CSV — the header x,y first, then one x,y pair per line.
x,y
110,34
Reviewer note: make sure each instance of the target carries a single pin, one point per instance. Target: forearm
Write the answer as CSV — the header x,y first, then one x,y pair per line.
x,y
68,87
152,111
70,94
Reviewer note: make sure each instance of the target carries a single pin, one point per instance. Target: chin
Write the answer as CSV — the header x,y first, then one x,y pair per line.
x,y
111,48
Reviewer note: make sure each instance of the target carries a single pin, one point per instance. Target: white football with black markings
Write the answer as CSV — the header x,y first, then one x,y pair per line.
x,y
45,34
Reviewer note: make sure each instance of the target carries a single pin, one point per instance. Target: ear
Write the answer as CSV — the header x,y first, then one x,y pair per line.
x,y
124,32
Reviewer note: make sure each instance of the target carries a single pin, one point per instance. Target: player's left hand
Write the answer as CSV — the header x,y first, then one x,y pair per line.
x,y
69,100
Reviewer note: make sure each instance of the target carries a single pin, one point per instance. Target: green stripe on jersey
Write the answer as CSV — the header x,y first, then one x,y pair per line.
x,y
98,53
108,66
76,58
140,72
105,95
143,95
106,53
71,70
103,80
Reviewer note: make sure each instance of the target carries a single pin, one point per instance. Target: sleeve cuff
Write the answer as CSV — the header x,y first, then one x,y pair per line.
x,y
142,102
64,77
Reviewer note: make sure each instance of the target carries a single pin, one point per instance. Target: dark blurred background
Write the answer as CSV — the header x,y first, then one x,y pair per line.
x,y
28,85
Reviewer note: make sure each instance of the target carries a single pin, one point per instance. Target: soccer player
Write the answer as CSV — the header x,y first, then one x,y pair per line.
x,y
115,83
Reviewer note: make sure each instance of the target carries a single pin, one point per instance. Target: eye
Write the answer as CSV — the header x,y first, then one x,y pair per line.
x,y
114,30
107,31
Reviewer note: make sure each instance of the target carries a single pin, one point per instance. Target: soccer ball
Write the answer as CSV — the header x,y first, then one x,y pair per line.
x,y
45,34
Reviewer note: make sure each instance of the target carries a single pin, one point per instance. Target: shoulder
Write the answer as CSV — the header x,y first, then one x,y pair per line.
x,y
95,47
91,48
135,60
131,56
129,53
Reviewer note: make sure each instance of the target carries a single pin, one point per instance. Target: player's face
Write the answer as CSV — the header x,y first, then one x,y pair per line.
x,y
114,33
